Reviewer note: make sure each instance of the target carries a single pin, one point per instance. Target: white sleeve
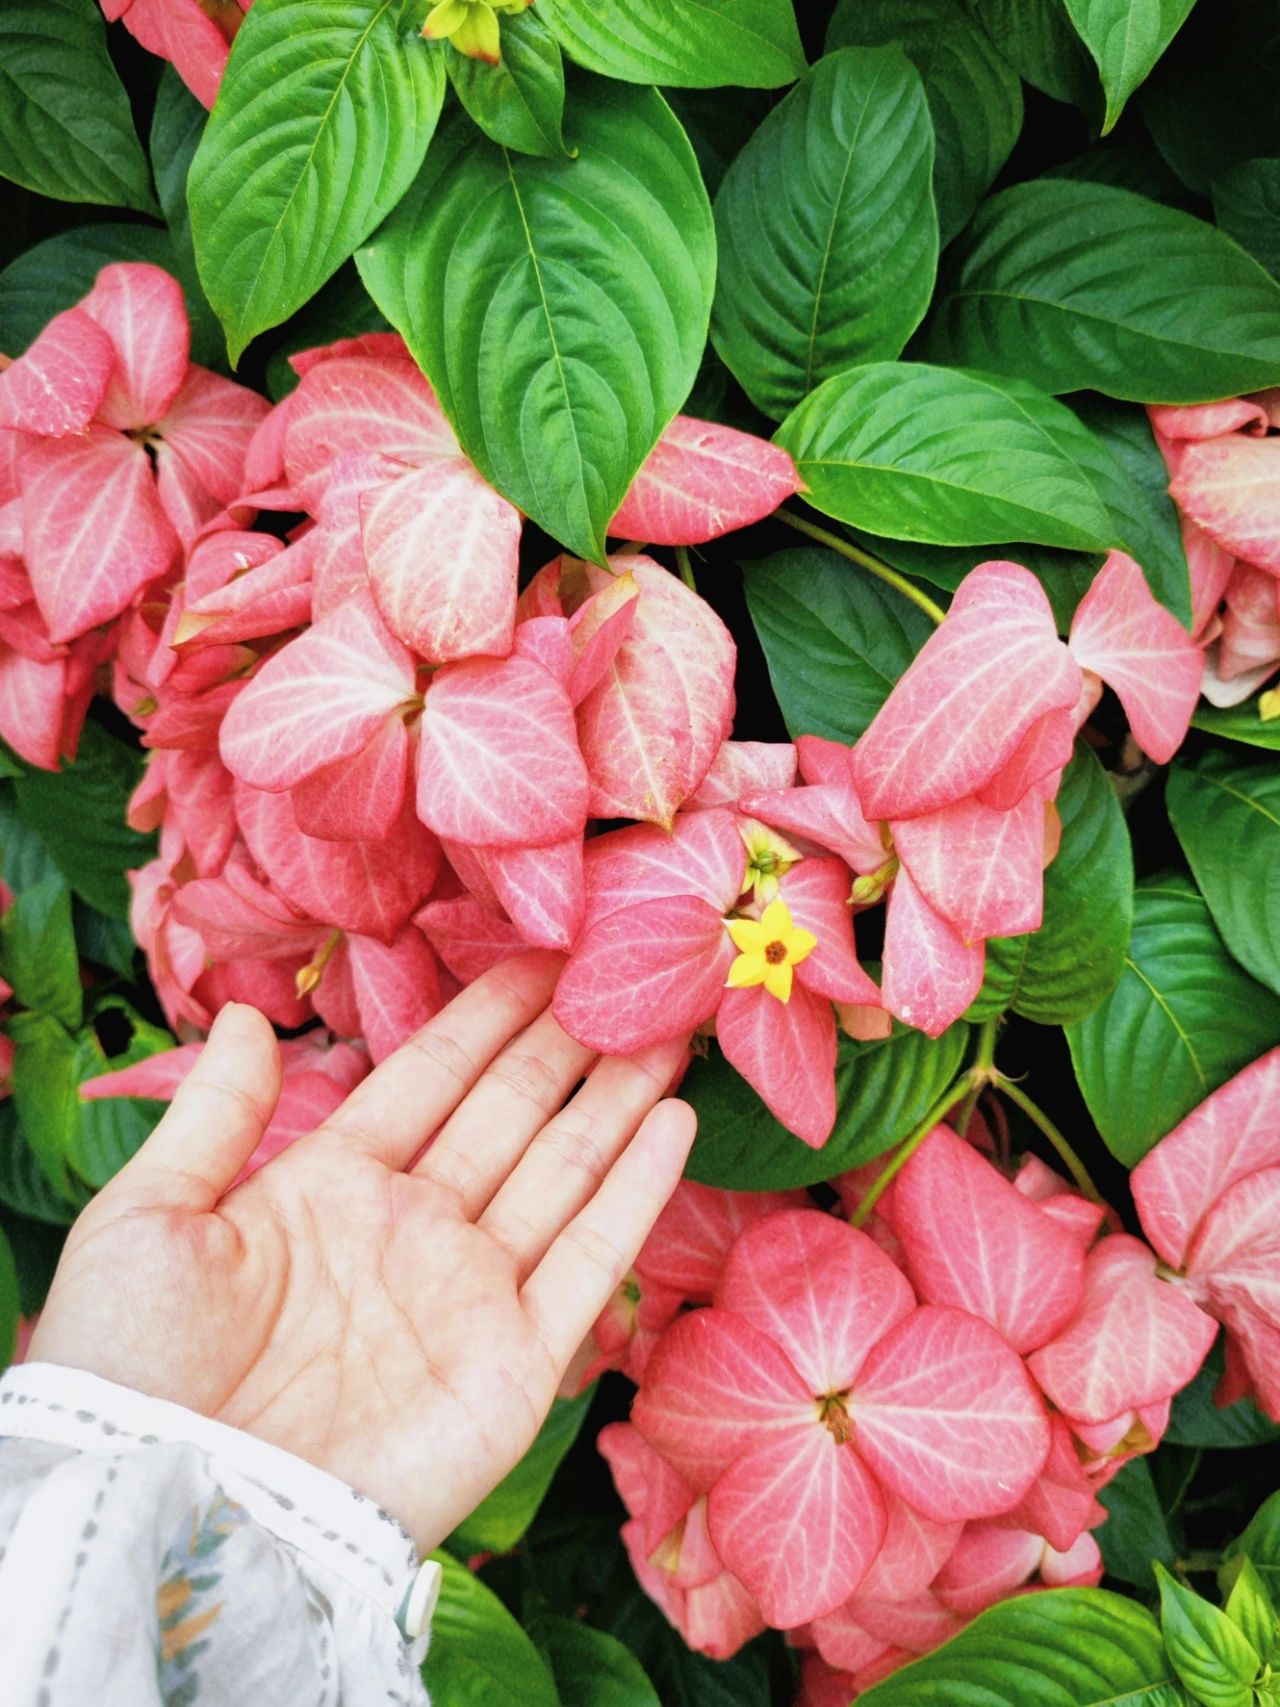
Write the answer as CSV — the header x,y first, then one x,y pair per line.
x,y
151,1556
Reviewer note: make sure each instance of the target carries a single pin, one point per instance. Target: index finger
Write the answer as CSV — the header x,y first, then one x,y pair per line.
x,y
391,1114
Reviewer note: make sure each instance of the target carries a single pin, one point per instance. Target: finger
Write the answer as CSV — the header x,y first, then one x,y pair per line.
x,y
484,1138
391,1114
574,1282
215,1121
565,1164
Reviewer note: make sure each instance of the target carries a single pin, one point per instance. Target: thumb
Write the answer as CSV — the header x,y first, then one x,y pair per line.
x,y
214,1122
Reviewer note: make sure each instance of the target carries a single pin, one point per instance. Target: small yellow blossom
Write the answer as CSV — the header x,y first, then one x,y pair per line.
x,y
768,950
869,888
1269,704
769,857
471,25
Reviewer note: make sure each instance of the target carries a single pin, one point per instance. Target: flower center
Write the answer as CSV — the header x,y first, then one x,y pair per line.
x,y
833,1413
776,953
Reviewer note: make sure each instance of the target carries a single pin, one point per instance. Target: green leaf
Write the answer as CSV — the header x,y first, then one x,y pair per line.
x,y
1126,38
1212,1656
559,307
1238,723
692,44
24,859
520,101
66,130
24,1186
341,309
1196,1421
480,1657
1182,1020
10,764
79,815
1076,285
1226,813
1249,1608
827,229
974,94
947,457
681,1677
1038,40
104,940
111,1130
177,125
1061,972
1246,204
1068,1647
1136,1533
502,1517
38,951
11,1309
594,1669
1260,1542
44,1093
835,640
883,1089
324,115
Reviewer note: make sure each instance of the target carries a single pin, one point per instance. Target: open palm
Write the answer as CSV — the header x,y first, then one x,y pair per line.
x,y
400,1316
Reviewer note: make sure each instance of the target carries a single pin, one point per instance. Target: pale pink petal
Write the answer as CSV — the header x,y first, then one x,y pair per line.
x,y
182,32
987,1564
264,598
1248,647
695,1232
817,893
1230,487
338,563
914,1550
209,426
469,938
818,1288
599,627
746,767
546,640
786,1051
702,480
1042,752
1208,420
142,310
704,855
357,799
541,890
158,1077
827,813
237,918
1060,1502
397,988
843,1642
980,869
930,973
189,508
57,387
911,1627
947,1417
824,761
1210,569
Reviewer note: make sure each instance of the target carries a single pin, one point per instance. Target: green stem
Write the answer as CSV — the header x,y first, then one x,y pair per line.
x,y
980,1074
1074,1166
865,560
910,1144
686,568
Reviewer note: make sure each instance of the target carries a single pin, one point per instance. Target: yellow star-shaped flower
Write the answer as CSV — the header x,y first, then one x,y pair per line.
x,y
769,948
471,25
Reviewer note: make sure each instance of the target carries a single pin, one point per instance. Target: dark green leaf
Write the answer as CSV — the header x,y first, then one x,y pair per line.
x,y
681,1677
947,457
974,94
695,44
719,123
1226,813
1076,285
1061,972
176,128
520,101
1238,723
1197,1421
10,765
1126,38
24,859
1261,1542
502,1517
1064,575
45,1093
324,115
835,640
38,951
65,126
104,940
24,1187
1136,1533
1182,1020
1038,40
480,1657
10,1309
827,230
79,815
1246,204
1067,1647
341,309
883,1089
1211,1655
36,1247
594,1669
111,1129
559,307
1135,165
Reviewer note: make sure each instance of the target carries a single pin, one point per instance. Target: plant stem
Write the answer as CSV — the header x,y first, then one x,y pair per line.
x,y
686,568
865,560
910,1144
979,1073
1074,1166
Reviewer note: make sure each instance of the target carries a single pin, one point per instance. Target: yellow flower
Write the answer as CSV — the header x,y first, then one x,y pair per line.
x,y
768,949
769,857
1269,704
471,25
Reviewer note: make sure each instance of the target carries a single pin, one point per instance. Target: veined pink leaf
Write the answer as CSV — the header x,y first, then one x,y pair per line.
x,y
746,768
222,558
911,1626
1134,1341
842,1642
1208,420
397,988
914,1550
94,529
194,720
1060,1503
443,549
1230,487
379,344
819,1289
182,32
657,1497
960,712
1209,567
58,386
265,595
469,938
696,1231
25,630
980,869
209,426
546,640
824,761
371,888
142,310
200,793
1231,1134
1252,1353
322,698
338,562
158,1077
827,813
988,1563
713,1385
498,764
645,974
599,628
1142,651
651,727
1234,1265
237,918
702,480
542,890
973,1241
947,1417
31,707
264,458
357,799
786,1051
1248,646
798,1519
189,508
468,869
1043,751
817,893
930,973
704,855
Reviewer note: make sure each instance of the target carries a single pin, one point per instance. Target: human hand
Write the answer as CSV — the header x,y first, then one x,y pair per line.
x,y
399,1317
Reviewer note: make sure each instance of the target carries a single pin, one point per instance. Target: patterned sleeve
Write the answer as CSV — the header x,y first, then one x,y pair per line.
x,y
150,1556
